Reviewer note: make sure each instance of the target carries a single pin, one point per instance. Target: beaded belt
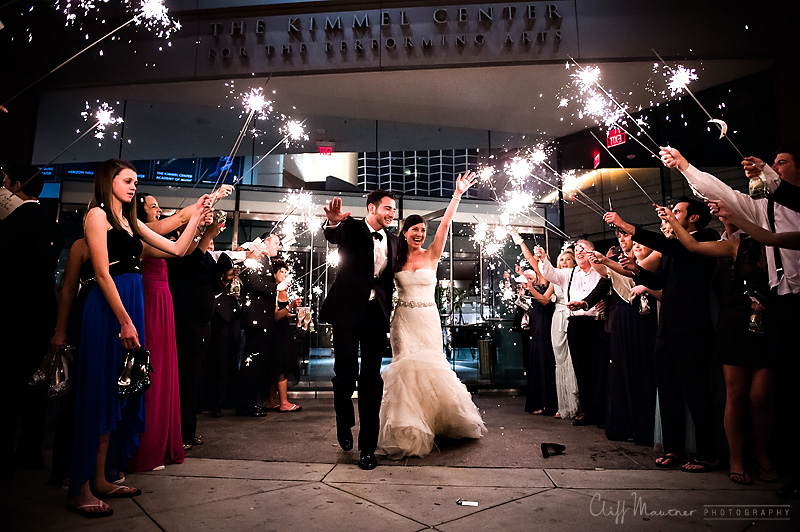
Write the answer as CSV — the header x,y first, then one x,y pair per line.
x,y
414,304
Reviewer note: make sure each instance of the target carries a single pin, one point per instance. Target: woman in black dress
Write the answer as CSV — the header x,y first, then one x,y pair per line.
x,y
541,396
284,362
741,285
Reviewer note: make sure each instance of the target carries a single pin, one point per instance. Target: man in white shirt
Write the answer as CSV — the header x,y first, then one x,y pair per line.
x,y
584,288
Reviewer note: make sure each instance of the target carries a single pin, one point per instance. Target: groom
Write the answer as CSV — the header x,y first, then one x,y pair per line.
x,y
358,306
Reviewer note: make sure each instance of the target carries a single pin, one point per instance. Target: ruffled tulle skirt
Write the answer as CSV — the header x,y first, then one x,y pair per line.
x,y
422,397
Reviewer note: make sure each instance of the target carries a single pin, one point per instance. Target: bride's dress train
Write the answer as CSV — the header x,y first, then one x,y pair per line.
x,y
422,396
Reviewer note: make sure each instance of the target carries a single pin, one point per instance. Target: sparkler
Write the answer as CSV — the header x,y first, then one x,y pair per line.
x,y
680,81
151,13
624,169
588,77
294,131
104,116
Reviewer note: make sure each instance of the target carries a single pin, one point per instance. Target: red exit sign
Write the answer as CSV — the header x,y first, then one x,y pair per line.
x,y
615,137
326,150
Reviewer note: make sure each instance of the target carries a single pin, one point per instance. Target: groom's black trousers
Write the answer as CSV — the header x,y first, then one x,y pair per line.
x,y
371,333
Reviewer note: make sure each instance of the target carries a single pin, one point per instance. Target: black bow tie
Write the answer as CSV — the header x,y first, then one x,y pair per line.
x,y
377,236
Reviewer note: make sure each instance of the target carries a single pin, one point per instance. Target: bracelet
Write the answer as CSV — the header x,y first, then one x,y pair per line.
x,y
457,198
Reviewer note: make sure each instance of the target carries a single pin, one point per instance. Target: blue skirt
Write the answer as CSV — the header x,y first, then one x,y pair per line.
x,y
98,410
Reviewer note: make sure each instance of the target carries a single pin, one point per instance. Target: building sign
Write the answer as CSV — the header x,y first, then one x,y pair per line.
x,y
390,37
326,150
596,160
616,136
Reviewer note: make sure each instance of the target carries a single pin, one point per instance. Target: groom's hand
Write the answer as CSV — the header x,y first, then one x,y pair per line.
x,y
334,211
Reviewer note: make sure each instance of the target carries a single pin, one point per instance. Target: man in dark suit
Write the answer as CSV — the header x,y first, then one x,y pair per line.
x,y
258,314
225,343
30,242
685,337
358,306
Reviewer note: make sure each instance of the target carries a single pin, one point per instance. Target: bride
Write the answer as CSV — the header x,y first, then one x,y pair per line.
x,y
422,396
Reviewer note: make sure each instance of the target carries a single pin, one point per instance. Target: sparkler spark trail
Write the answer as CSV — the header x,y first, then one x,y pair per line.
x,y
293,131
588,76
679,76
623,168
151,13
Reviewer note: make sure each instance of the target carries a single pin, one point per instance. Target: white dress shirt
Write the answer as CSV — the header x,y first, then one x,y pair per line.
x,y
755,210
380,253
582,284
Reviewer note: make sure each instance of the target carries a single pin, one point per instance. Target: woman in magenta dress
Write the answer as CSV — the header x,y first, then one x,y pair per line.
x,y
161,444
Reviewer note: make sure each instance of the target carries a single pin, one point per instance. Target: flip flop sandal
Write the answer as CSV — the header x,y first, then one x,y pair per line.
x,y
667,461
294,408
121,492
742,479
81,510
701,466
767,475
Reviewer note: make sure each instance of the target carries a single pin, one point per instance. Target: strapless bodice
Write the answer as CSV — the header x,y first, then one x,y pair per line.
x,y
415,287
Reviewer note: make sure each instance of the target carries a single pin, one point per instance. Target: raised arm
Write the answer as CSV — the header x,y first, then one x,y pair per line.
x,y
711,187
463,182
788,240
95,227
719,248
181,246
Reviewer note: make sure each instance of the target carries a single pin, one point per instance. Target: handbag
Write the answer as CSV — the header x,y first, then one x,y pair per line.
x,y
134,375
54,370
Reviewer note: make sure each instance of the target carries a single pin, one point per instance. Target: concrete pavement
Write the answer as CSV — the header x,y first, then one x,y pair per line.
x,y
286,472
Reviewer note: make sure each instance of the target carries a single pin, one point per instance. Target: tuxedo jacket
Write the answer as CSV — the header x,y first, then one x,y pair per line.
x,y
194,280
685,279
355,277
259,290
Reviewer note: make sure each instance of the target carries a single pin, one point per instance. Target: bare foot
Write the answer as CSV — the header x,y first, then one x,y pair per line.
x,y
87,505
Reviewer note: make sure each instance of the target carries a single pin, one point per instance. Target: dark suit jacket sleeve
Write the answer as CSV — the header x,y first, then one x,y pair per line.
x,y
223,265
255,280
652,280
658,242
787,195
335,235
598,292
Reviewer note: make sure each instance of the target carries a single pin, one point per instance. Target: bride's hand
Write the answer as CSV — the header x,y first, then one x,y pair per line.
x,y
463,182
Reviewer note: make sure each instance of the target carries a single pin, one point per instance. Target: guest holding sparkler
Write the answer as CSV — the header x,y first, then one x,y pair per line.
x,y
31,241
260,288
162,443
584,289
783,268
106,427
631,372
685,335
194,280
284,363
541,397
749,377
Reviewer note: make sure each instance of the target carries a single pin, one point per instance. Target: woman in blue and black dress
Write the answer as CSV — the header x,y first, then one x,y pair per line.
x,y
106,427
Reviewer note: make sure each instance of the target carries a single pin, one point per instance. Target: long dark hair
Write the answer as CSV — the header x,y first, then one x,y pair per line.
x,y
402,249
103,191
141,197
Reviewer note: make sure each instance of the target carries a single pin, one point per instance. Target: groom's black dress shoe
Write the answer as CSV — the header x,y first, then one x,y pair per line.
x,y
252,411
345,437
368,461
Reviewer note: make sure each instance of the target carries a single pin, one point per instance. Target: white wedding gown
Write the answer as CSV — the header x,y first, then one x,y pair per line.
x,y
422,396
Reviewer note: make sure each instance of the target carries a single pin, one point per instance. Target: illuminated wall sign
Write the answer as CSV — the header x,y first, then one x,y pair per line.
x,y
326,150
616,136
596,161
369,39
